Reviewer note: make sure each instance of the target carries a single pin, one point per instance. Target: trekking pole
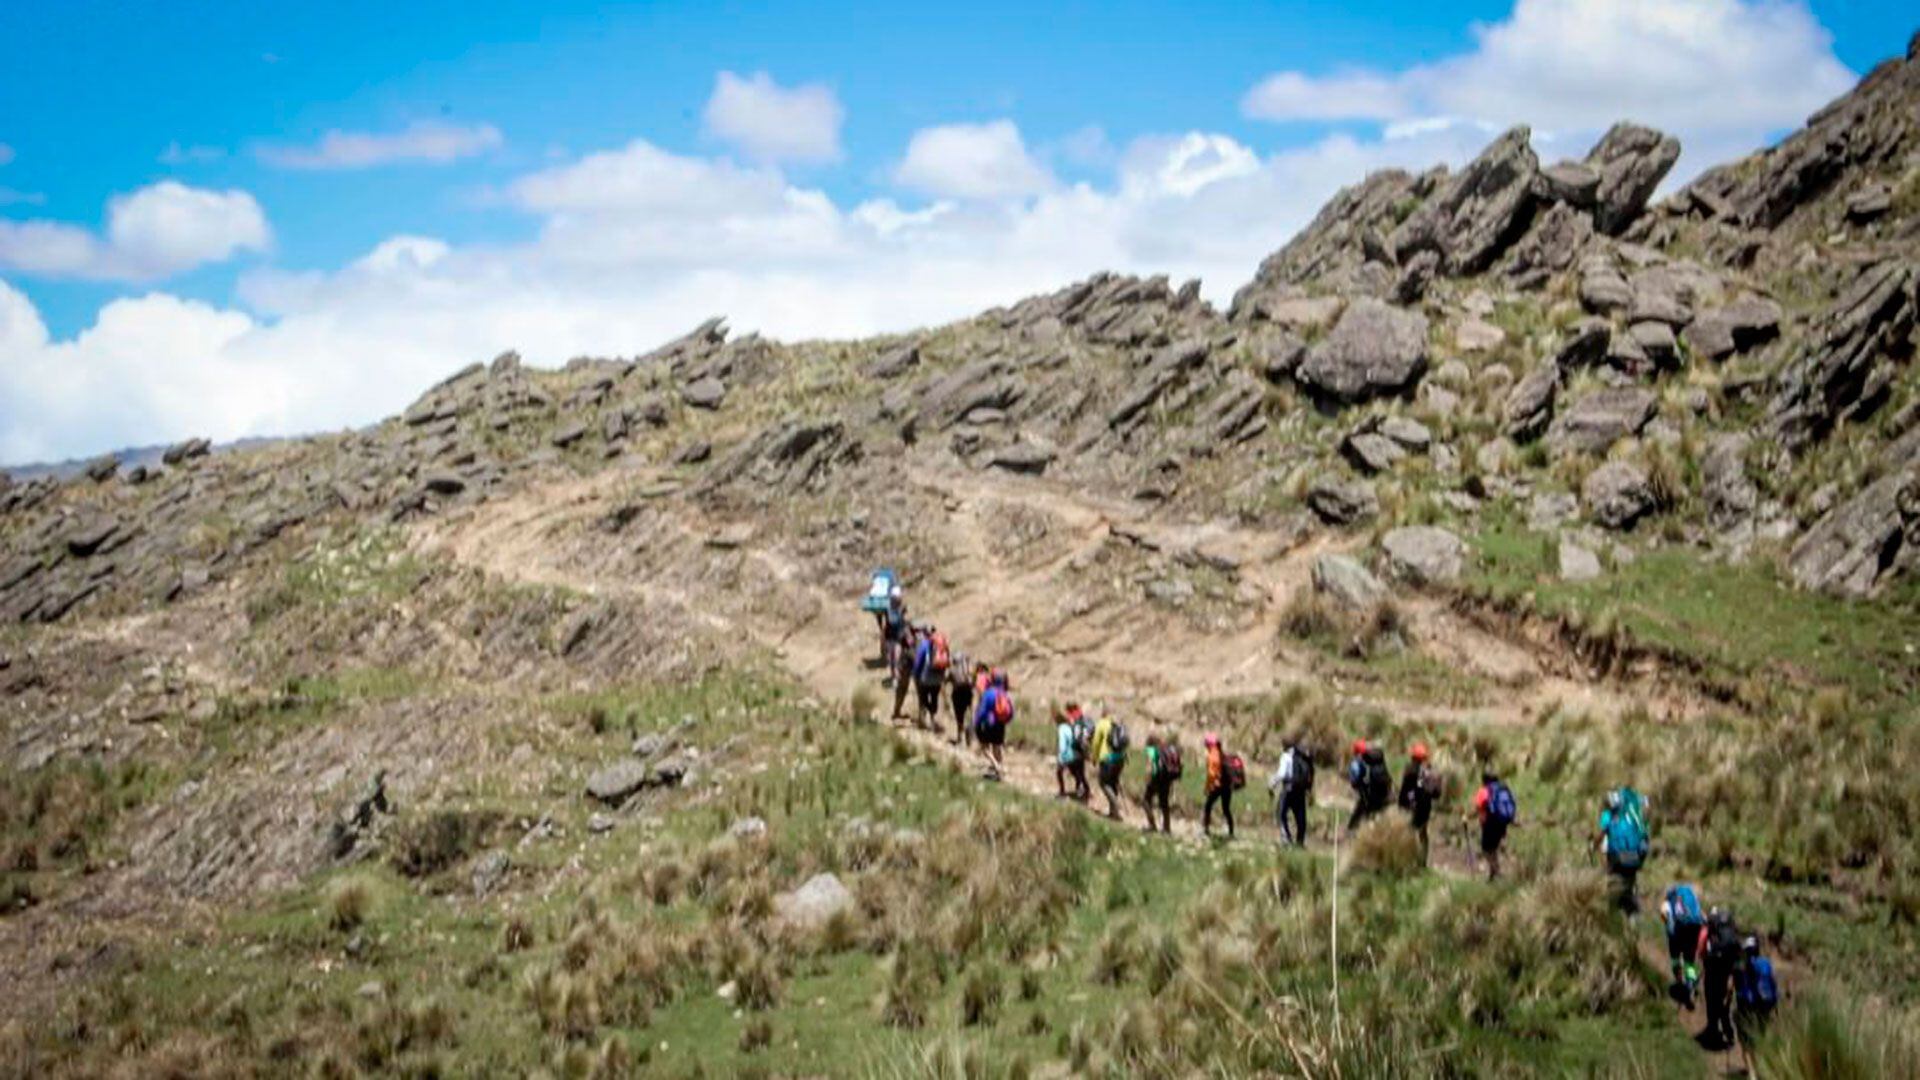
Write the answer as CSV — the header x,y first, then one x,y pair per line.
x,y
1336,935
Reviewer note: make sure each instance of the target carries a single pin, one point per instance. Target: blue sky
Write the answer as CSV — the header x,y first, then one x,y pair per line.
x,y
318,207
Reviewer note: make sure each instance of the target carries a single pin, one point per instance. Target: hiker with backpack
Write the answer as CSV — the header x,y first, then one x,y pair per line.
x,y
1164,769
1292,784
1623,839
895,631
961,674
1756,994
990,720
902,674
1371,781
1419,790
1067,760
1110,741
932,657
1497,809
1225,773
1721,953
1686,927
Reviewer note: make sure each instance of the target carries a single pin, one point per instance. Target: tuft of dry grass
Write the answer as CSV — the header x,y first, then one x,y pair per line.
x,y
349,904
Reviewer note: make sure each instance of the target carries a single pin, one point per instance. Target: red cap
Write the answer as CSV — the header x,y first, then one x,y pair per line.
x,y
1359,746
1419,751
1212,739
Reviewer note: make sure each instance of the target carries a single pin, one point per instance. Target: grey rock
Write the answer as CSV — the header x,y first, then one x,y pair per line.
x,y
1729,494
706,392
895,362
1415,277
1166,367
1280,356
1857,545
568,435
647,746
1575,183
1577,563
600,824
1594,422
1022,457
1617,494
102,469
1746,323
490,871
1548,510
1869,203
614,425
1632,160
1172,591
1479,212
1372,452
1529,405
1423,555
1347,582
813,905
1656,342
1585,345
182,452
1604,291
1375,349
1342,502
1407,431
1555,240
1849,363
91,535
748,828
616,782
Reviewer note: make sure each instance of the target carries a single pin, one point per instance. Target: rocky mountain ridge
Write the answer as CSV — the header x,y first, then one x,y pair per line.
x,y
1429,333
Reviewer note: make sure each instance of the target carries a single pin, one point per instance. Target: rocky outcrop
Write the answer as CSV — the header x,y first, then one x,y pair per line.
x,y
1729,494
1529,405
1631,161
1331,252
791,456
1856,348
1859,543
1478,214
1375,349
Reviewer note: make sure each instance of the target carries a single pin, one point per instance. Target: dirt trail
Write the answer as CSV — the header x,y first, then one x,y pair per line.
x,y
1146,663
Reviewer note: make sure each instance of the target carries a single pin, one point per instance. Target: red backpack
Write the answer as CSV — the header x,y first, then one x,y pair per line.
x,y
1002,706
1236,772
942,655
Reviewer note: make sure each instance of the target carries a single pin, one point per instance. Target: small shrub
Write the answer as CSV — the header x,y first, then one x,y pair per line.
x,y
1385,845
755,1035
348,905
980,996
1308,615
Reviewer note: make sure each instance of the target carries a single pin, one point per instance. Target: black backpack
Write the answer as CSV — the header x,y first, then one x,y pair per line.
x,y
1302,769
1723,941
1379,781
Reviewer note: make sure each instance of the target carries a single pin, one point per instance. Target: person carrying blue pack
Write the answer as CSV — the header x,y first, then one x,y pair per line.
x,y
1680,913
1623,839
931,659
990,719
1495,804
1755,993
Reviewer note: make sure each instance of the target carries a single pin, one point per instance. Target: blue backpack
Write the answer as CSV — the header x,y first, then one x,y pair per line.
x,y
1756,989
1626,839
1500,804
1686,905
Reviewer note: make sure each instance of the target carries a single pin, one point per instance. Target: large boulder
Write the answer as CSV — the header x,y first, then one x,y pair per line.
x,y
1374,349
1341,501
1022,457
705,392
1594,422
1478,213
1585,345
1347,582
1372,452
1746,323
1859,543
1423,555
1575,183
1618,494
618,781
1631,160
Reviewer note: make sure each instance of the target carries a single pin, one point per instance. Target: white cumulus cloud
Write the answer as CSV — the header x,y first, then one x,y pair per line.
x,y
1723,75
972,161
426,141
770,122
151,233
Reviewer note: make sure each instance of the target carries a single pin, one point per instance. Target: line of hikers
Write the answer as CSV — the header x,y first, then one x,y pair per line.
x,y
920,657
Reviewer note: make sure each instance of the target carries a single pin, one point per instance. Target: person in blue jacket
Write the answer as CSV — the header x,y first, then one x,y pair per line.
x,y
990,719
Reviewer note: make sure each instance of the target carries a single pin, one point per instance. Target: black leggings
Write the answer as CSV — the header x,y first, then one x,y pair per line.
x,y
1159,792
1293,815
1224,796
